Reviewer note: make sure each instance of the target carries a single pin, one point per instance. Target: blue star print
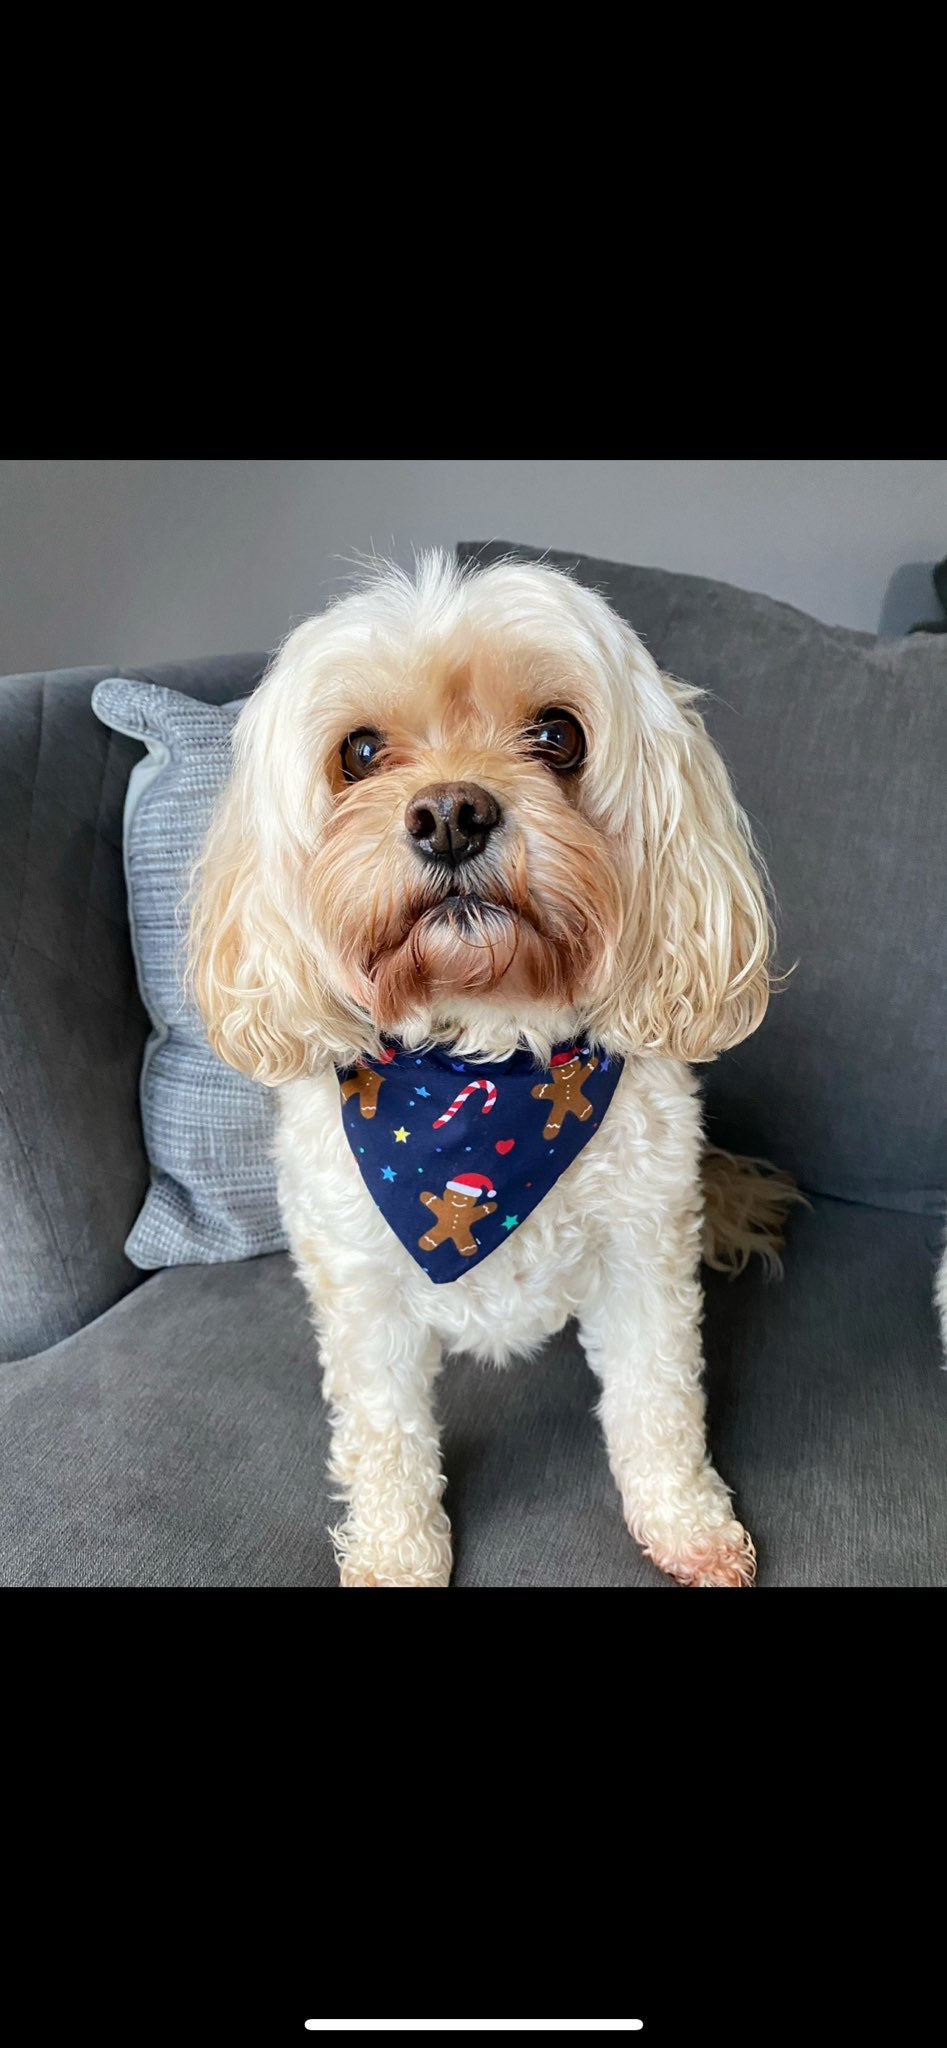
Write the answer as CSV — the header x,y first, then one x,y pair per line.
x,y
388,1173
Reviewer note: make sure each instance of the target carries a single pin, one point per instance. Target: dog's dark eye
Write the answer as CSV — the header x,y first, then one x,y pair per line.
x,y
358,753
558,739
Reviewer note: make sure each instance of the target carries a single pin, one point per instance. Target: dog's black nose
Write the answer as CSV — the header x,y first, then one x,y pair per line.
x,y
451,821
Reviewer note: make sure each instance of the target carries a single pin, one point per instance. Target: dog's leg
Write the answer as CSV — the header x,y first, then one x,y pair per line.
x,y
378,1381
642,1338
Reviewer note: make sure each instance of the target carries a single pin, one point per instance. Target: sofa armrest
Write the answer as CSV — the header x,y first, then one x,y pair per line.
x,y
73,1170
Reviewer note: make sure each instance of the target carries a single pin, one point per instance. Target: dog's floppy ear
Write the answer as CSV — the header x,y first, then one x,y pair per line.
x,y
699,934
256,982
239,961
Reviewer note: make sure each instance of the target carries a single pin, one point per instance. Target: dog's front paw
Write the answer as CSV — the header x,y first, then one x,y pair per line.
x,y
352,1575
422,1558
725,1557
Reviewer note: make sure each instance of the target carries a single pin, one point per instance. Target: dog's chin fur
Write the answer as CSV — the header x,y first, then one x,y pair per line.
x,y
502,953
464,948
622,903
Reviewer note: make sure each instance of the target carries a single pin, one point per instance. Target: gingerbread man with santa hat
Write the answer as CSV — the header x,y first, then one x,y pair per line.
x,y
456,1210
564,1091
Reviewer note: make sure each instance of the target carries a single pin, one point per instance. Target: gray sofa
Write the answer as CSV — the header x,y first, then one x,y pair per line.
x,y
169,1431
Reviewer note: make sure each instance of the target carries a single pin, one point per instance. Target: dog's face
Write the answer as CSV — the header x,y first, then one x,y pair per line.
x,y
464,859
469,808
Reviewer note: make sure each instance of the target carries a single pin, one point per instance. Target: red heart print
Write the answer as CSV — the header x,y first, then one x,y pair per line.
x,y
505,1144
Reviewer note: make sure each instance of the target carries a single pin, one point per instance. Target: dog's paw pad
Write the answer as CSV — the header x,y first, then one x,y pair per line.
x,y
724,1558
348,1578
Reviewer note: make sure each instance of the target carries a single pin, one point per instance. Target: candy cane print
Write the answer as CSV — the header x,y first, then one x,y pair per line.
x,y
462,1097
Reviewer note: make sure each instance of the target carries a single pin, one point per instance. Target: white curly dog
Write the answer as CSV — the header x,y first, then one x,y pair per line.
x,y
467,810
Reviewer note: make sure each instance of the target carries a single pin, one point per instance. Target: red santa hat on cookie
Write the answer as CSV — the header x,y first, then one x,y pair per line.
x,y
472,1184
562,1059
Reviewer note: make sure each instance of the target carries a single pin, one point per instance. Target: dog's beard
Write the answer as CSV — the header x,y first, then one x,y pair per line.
x,y
466,945
532,925
497,939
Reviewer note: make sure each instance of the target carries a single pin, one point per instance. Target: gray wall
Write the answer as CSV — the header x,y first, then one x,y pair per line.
x,y
149,561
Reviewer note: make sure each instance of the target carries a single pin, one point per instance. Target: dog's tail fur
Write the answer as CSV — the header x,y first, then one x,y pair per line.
x,y
746,1202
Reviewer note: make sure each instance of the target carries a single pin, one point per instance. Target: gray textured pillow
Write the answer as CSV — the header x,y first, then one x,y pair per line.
x,y
208,1130
837,743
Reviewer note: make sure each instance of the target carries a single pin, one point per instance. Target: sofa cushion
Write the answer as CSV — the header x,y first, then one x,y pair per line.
x,y
72,1026
208,1130
837,743
181,1440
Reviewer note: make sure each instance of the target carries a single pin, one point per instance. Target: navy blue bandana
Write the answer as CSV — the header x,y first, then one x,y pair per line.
x,y
457,1155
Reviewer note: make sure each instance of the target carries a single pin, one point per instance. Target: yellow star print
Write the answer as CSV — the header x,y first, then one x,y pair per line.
x,y
402,1136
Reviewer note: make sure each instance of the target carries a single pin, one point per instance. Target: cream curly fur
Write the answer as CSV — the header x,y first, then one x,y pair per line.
x,y
623,905
940,1298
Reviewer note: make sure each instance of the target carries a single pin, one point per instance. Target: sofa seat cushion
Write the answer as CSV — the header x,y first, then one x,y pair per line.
x,y
181,1439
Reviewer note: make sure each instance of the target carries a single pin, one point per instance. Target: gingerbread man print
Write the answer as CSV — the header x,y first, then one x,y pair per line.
x,y
564,1091
456,1210
364,1083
